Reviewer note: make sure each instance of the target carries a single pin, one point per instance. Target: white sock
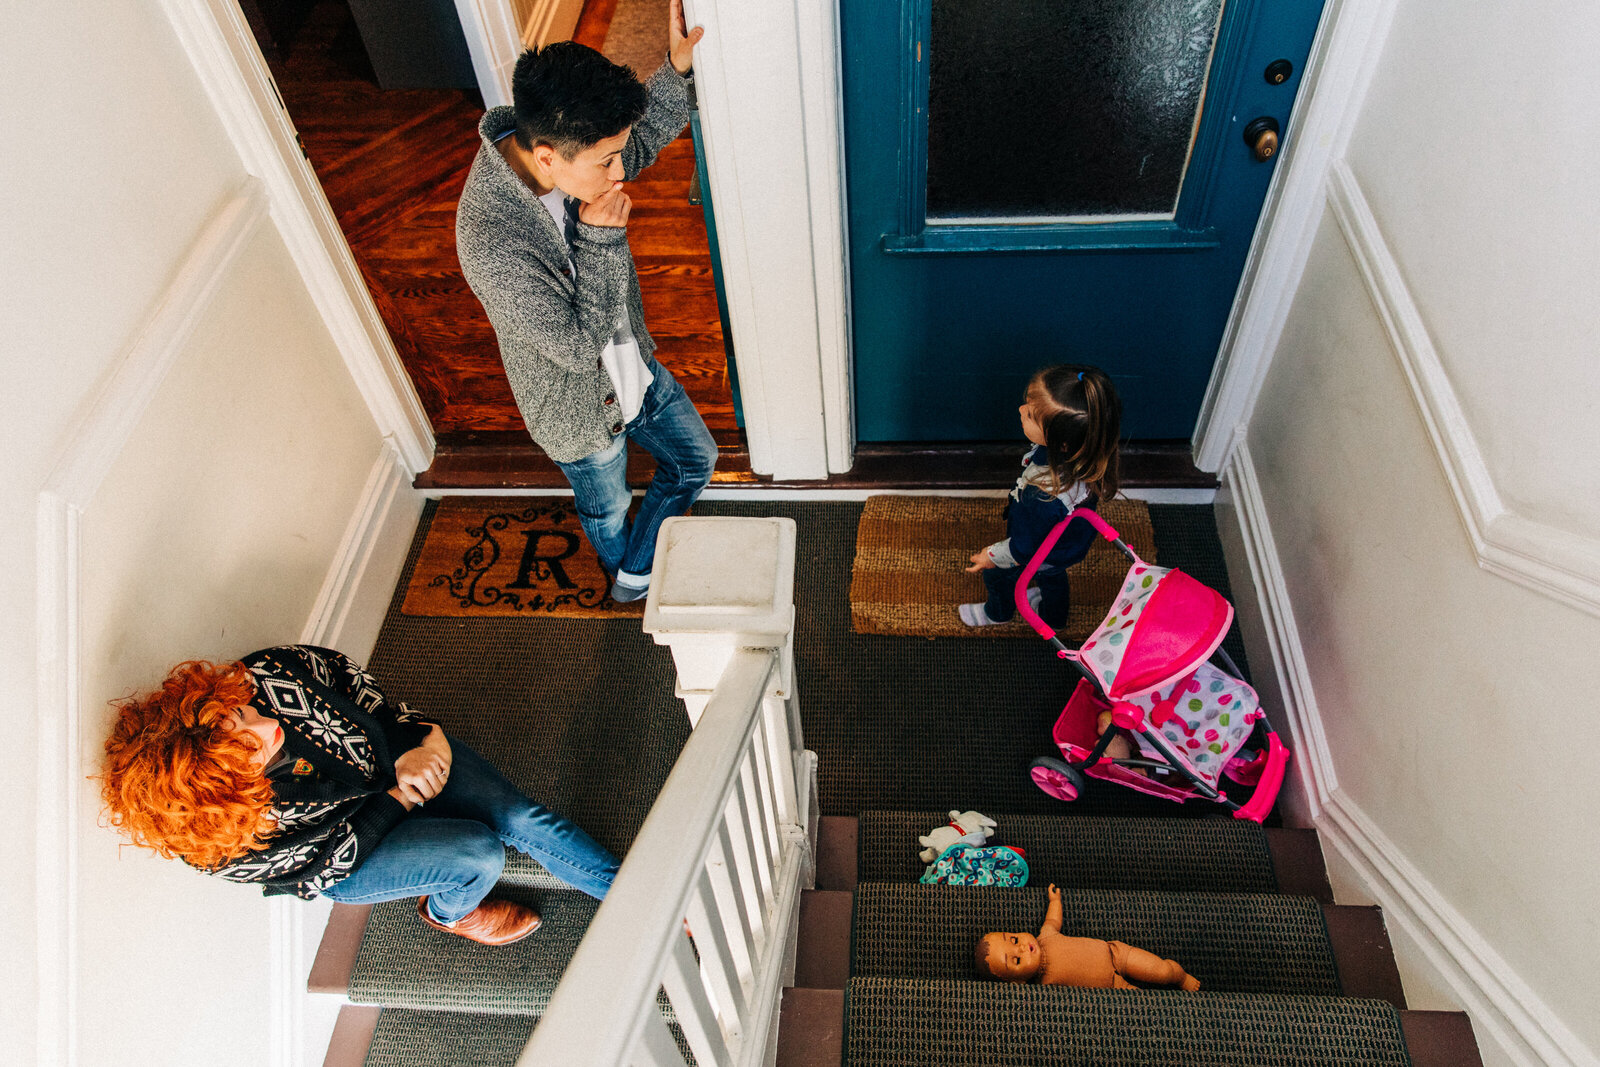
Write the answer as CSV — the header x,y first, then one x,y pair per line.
x,y
975,615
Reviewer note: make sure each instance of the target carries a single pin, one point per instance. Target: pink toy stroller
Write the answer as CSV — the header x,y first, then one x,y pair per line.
x,y
1149,664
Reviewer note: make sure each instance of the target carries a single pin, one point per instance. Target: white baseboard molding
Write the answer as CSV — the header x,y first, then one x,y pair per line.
x,y
348,613
1506,1013
1313,763
355,594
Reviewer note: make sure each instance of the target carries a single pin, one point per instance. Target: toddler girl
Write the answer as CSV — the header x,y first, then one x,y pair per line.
x,y
1073,416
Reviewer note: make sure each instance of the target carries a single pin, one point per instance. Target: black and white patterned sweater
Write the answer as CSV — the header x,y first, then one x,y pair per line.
x,y
330,780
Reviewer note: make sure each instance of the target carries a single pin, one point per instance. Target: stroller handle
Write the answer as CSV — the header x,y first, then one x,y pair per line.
x,y
1092,517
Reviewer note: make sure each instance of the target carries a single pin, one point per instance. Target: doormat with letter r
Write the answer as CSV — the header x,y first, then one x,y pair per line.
x,y
510,556
912,553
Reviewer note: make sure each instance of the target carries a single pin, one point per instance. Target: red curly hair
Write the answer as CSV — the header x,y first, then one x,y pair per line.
x,y
178,781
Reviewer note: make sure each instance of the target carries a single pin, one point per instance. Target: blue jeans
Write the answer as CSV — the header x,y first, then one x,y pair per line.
x,y
450,848
1055,597
671,430
1055,594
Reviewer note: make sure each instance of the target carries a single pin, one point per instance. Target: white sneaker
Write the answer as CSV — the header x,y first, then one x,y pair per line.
x,y
976,615
624,594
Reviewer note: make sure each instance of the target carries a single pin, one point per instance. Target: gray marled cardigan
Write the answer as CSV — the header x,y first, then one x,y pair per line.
x,y
552,326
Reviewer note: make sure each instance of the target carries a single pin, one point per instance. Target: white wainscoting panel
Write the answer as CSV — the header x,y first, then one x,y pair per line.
x,y
1561,564
347,613
97,438
1504,1009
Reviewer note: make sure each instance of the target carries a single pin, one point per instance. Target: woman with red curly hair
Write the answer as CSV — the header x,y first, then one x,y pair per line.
x,y
290,769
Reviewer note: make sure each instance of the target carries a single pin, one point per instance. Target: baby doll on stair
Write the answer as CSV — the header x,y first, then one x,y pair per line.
x,y
1053,958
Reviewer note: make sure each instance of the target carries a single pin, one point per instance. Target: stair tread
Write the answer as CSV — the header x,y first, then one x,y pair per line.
x,y
337,951
1298,862
408,1037
1090,851
1232,942
1059,1025
335,962
404,963
352,1036
836,851
411,1038
523,870
1366,958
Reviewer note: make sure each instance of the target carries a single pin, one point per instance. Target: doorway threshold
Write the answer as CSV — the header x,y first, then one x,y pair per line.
x,y
509,460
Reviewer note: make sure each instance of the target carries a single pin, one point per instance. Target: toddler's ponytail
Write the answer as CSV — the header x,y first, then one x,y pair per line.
x,y
1082,418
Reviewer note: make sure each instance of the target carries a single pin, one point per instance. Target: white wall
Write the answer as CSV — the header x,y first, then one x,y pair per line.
x,y
1442,344
220,496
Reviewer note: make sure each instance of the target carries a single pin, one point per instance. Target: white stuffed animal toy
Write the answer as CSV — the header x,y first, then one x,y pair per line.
x,y
973,827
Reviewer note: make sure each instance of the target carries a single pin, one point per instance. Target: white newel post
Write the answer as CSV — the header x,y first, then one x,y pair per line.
x,y
726,583
729,844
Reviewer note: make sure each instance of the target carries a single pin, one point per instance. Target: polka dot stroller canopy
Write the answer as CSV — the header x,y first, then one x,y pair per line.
x,y
1161,628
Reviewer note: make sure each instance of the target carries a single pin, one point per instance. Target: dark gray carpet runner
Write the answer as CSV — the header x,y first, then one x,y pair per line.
x,y
1232,942
1220,855
403,962
407,1038
894,1022
580,714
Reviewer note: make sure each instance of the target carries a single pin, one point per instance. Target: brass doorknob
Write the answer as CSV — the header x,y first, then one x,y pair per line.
x,y
1262,136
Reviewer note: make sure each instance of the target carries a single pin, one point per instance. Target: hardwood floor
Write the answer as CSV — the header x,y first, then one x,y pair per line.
x,y
392,164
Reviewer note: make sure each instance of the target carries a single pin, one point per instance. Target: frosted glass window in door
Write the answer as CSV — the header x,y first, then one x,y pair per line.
x,y
1051,110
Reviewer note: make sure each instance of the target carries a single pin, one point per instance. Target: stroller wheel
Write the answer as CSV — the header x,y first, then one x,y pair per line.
x,y
1057,778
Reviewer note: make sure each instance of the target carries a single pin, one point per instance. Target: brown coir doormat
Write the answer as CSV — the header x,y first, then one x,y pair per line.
x,y
912,553
487,556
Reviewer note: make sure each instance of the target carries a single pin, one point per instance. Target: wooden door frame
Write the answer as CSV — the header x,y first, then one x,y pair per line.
x,y
235,78
494,40
1343,57
775,159
781,229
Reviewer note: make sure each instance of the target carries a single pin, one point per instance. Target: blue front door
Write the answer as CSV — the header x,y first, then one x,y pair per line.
x,y
1038,181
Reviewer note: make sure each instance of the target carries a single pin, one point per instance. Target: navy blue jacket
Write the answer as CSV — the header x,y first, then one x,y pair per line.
x,y
1033,512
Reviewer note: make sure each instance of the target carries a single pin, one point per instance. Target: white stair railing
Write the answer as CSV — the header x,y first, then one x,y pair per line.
x,y
727,846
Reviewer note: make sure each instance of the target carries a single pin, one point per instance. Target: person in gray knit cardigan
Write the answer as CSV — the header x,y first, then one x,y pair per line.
x,y
541,232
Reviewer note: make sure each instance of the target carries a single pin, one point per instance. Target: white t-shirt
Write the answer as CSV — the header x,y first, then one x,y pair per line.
x,y
629,376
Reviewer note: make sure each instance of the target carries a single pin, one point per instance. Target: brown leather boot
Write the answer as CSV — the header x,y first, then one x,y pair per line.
x,y
494,922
